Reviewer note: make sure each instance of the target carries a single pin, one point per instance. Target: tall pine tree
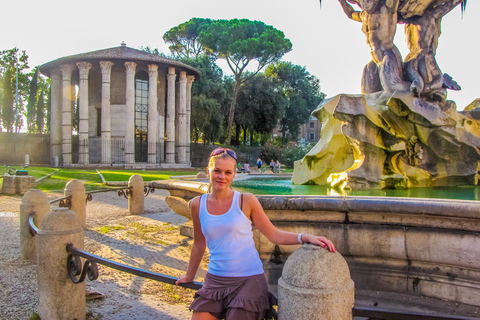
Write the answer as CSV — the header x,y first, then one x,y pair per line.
x,y
40,116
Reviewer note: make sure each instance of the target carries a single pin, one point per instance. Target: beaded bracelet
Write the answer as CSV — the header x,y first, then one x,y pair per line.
x,y
300,237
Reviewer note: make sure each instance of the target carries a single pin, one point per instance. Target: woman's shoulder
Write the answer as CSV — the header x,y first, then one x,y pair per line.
x,y
195,202
247,197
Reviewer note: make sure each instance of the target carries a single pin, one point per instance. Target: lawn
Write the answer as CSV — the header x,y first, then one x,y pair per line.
x,y
90,178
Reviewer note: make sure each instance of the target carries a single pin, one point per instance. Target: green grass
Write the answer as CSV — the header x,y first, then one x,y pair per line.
x,y
120,175
90,178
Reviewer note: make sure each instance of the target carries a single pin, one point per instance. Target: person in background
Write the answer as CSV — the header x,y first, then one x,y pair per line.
x,y
235,287
259,164
272,165
239,167
246,167
278,166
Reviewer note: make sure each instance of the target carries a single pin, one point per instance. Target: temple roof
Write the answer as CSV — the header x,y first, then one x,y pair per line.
x,y
117,53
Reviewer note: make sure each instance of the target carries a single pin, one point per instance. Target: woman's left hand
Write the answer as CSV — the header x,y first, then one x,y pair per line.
x,y
319,241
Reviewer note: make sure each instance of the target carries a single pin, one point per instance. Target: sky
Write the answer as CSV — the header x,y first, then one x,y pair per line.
x,y
330,46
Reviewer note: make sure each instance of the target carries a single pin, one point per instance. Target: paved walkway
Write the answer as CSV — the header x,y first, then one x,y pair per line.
x,y
149,241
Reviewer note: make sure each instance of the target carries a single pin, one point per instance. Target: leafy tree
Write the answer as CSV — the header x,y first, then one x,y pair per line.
x,y
8,115
210,94
11,60
183,39
32,103
302,91
240,42
151,50
260,105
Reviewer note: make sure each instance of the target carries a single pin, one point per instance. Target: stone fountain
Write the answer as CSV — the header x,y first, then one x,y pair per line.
x,y
401,132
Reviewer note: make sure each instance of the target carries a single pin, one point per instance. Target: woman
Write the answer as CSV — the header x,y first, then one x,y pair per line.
x,y
235,287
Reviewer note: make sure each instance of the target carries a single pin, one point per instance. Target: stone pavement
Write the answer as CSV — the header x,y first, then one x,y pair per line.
x,y
150,241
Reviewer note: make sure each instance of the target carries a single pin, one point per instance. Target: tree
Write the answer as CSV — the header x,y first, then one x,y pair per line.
x,y
261,103
209,96
183,38
32,103
8,114
40,112
302,91
240,42
12,60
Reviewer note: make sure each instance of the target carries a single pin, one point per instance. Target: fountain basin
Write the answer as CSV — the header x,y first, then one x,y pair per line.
x,y
415,246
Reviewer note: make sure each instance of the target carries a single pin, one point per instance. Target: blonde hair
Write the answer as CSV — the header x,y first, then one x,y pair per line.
x,y
211,165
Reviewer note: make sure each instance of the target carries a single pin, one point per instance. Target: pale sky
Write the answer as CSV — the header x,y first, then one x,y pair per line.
x,y
331,46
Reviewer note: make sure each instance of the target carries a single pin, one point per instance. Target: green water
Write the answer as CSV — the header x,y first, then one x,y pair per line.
x,y
276,186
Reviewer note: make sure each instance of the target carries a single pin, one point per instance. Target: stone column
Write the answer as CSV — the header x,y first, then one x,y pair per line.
x,y
136,200
182,119
76,190
67,114
162,78
106,67
83,69
190,80
58,297
34,201
56,115
170,143
315,284
130,114
152,113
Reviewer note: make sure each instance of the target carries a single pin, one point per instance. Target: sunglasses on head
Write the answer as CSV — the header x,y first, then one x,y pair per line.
x,y
218,151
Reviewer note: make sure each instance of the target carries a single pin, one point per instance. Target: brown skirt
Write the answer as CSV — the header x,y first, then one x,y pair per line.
x,y
235,298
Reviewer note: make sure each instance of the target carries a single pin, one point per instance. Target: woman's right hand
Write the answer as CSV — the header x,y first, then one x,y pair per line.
x,y
183,279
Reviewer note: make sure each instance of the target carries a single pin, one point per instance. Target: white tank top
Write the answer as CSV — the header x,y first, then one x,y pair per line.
x,y
230,241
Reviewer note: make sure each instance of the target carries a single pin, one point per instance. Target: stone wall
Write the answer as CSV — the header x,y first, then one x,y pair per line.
x,y
426,247
14,146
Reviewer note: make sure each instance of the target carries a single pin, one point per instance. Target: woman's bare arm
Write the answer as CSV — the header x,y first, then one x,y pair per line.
x,y
199,244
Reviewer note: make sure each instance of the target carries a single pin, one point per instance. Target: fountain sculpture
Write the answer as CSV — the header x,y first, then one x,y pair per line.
x,y
401,132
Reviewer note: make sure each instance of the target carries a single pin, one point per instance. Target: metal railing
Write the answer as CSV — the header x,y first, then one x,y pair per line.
x,y
126,192
90,269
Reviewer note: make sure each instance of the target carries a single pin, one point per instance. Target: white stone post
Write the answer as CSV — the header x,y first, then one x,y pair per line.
x,y
136,201
152,113
106,67
182,119
56,115
315,284
76,190
83,69
190,80
130,114
170,143
34,201
67,114
58,297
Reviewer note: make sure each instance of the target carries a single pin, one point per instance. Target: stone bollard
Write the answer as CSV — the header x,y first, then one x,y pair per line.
x,y
136,199
58,297
35,201
76,189
315,285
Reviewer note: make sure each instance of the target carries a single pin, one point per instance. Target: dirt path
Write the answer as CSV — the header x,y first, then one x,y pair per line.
x,y
150,241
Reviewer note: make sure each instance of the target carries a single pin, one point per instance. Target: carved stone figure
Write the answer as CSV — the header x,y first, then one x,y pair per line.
x,y
421,69
379,23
